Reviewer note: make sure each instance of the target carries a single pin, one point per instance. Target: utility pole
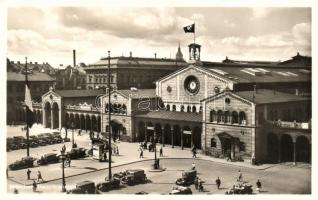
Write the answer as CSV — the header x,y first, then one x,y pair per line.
x,y
109,127
26,113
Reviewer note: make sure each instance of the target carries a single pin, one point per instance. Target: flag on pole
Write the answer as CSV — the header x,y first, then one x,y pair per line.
x,y
189,29
30,116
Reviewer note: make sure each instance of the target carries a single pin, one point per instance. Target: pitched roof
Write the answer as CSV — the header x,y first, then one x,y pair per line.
x,y
139,93
263,96
79,93
172,115
34,76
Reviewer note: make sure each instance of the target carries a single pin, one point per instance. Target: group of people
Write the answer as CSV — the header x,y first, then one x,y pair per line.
x,y
115,150
143,145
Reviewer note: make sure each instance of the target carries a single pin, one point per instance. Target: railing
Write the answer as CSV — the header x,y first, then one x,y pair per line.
x,y
285,124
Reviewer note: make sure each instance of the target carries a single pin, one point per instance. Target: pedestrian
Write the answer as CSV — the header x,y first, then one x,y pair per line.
x,y
105,156
79,132
40,176
196,182
15,191
141,154
161,152
7,172
258,185
117,150
34,186
193,166
200,185
218,182
240,176
28,173
97,135
194,152
69,161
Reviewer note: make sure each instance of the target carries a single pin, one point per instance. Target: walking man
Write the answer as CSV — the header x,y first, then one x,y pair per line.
x,y
193,166
69,161
161,152
7,172
240,176
258,185
117,151
141,154
28,173
40,176
34,186
218,182
196,182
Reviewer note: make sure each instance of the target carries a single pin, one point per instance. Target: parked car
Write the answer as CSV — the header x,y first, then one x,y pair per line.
x,y
11,144
142,192
45,139
34,141
134,176
108,185
48,159
84,187
241,188
20,141
76,153
51,137
188,178
180,190
57,137
25,162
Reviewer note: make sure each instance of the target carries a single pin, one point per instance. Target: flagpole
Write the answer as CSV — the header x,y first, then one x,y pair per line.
x,y
26,112
194,33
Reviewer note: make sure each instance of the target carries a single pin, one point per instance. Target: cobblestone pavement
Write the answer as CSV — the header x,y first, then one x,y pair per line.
x,y
129,154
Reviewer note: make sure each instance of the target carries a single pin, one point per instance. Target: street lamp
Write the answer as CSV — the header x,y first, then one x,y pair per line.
x,y
72,127
155,148
63,156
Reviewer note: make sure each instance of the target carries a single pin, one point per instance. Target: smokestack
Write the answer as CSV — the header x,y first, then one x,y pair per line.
x,y
255,89
155,55
74,57
130,54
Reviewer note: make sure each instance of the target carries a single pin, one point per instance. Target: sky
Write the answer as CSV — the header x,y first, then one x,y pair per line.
x,y
49,34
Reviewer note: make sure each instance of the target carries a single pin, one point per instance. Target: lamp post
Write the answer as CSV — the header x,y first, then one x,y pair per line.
x,y
63,174
72,126
155,148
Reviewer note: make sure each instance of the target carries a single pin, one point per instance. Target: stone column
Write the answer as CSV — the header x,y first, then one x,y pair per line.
x,y
52,118
172,138
192,144
163,136
279,149
295,153
181,138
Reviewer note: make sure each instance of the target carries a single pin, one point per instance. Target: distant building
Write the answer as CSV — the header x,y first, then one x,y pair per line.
x,y
71,77
127,72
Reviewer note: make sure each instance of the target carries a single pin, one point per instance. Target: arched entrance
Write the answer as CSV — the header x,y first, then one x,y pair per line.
x,y
116,129
187,132
272,148
82,122
197,137
177,135
47,119
77,121
149,132
87,123
158,132
303,149
167,132
94,123
141,132
55,109
66,118
287,148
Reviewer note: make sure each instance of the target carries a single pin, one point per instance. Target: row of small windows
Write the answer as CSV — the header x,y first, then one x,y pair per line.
x,y
182,108
100,80
228,117
116,108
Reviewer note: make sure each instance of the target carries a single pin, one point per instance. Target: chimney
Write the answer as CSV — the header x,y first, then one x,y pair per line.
x,y
130,54
36,63
18,62
74,57
30,62
155,56
255,89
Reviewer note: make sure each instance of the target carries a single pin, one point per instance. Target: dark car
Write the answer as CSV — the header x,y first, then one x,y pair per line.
x,y
51,138
25,162
45,140
34,141
57,137
108,185
188,178
11,144
20,141
48,159
241,188
134,176
84,187
76,153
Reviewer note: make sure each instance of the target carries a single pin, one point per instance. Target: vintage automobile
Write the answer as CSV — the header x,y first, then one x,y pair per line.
x,y
108,185
241,188
188,178
11,144
84,187
25,162
134,176
34,141
57,137
76,153
20,141
45,140
142,192
51,138
180,190
48,159
120,175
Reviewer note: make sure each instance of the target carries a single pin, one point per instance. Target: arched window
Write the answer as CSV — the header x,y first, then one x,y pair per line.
x,y
242,118
182,109
194,109
188,108
213,143
106,107
220,116
168,107
174,108
227,117
234,117
200,111
124,109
